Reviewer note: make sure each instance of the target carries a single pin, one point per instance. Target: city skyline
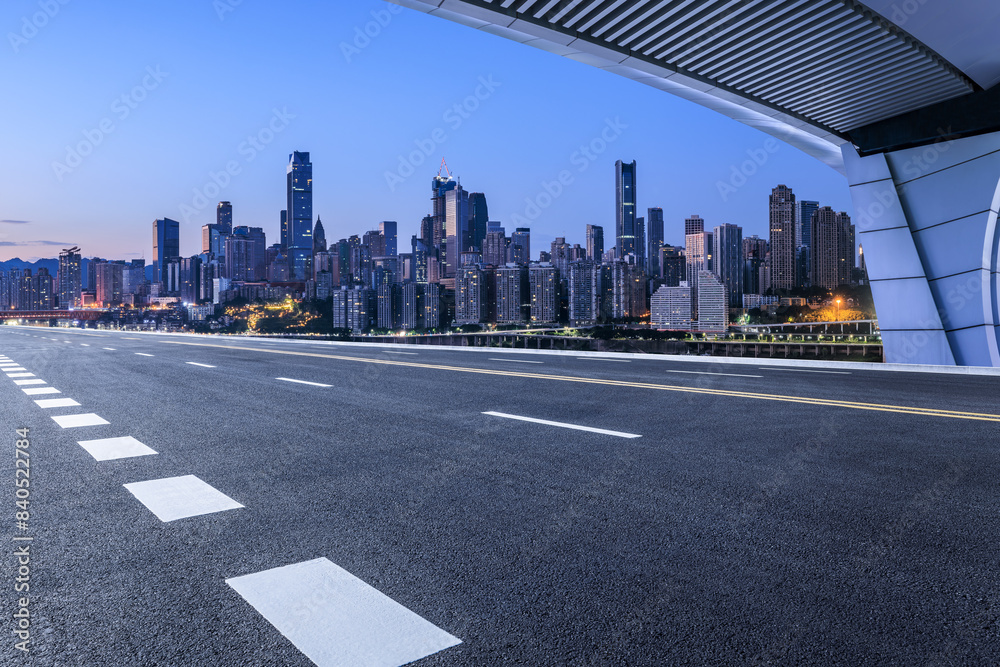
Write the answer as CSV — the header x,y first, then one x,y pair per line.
x,y
492,148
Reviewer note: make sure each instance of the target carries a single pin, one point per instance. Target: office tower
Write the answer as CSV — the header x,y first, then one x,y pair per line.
x,y
133,276
27,291
640,242
210,270
385,271
673,265
108,279
479,217
457,234
319,237
727,261
625,198
803,221
283,234
224,217
239,263
584,292
166,246
432,306
698,255
361,309
654,239
387,229
559,256
627,291
512,294
520,246
299,194
782,227
412,315
832,251
389,305
754,254
595,243
421,252
45,291
495,248
713,308
495,226
258,256
543,284
670,307
693,225
213,240
471,305
70,286
440,187
190,279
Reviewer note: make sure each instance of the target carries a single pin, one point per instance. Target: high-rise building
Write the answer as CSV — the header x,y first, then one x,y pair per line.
x,y
673,265
640,242
479,217
240,257
390,306
354,309
495,248
595,243
654,234
520,246
727,261
299,195
625,208
713,307
782,227
440,187
257,258
108,278
627,291
754,254
412,315
543,281
213,240
693,225
670,307
471,304
698,255
803,221
319,237
458,238
512,294
224,217
559,256
70,286
166,246
432,306
832,251
190,279
387,229
584,292
283,235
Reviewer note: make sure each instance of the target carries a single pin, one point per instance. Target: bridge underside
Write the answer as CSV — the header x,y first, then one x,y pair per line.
x,y
900,97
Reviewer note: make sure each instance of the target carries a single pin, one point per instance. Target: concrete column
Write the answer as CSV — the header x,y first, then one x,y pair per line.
x,y
927,218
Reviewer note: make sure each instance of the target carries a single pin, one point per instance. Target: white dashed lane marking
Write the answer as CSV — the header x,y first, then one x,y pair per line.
x,y
143,354
546,422
515,361
351,624
109,449
620,361
75,421
735,375
108,348
22,383
37,391
180,497
313,384
801,370
20,375
56,403
194,363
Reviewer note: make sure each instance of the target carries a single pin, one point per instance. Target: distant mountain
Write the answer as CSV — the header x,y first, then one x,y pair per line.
x,y
17,263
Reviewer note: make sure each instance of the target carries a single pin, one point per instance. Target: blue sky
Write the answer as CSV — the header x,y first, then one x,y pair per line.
x,y
120,113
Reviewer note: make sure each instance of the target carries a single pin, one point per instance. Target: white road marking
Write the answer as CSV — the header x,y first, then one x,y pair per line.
x,y
180,497
14,369
515,361
56,403
143,354
197,364
132,338
108,348
74,421
735,375
396,352
20,375
68,341
345,621
314,384
619,434
22,383
620,361
85,344
108,449
801,370
41,390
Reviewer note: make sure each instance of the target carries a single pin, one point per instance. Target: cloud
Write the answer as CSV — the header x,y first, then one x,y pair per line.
x,y
8,244
16,222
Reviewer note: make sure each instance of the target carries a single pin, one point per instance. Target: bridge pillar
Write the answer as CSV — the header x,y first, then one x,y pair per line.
x,y
927,220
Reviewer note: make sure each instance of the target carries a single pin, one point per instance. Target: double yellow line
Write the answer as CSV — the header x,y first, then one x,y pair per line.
x,y
854,405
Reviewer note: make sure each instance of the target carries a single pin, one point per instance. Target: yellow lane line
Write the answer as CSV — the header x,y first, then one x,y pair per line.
x,y
901,409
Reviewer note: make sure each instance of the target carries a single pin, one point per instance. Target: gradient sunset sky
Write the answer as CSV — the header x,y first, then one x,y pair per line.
x,y
161,96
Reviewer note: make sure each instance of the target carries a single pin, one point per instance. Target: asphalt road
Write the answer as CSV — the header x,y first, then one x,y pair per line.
x,y
763,515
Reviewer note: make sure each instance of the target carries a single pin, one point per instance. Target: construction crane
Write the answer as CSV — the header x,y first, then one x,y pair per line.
x,y
444,167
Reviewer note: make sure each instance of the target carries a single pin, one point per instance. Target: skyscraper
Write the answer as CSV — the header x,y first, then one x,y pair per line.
x,y
727,261
479,220
543,280
803,221
512,294
654,236
640,242
299,195
782,227
625,198
69,278
283,234
713,312
694,225
440,186
595,243
520,246
457,233
670,308
166,246
754,254
224,217
495,248
584,292
388,230
257,252
319,237
833,248
672,265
